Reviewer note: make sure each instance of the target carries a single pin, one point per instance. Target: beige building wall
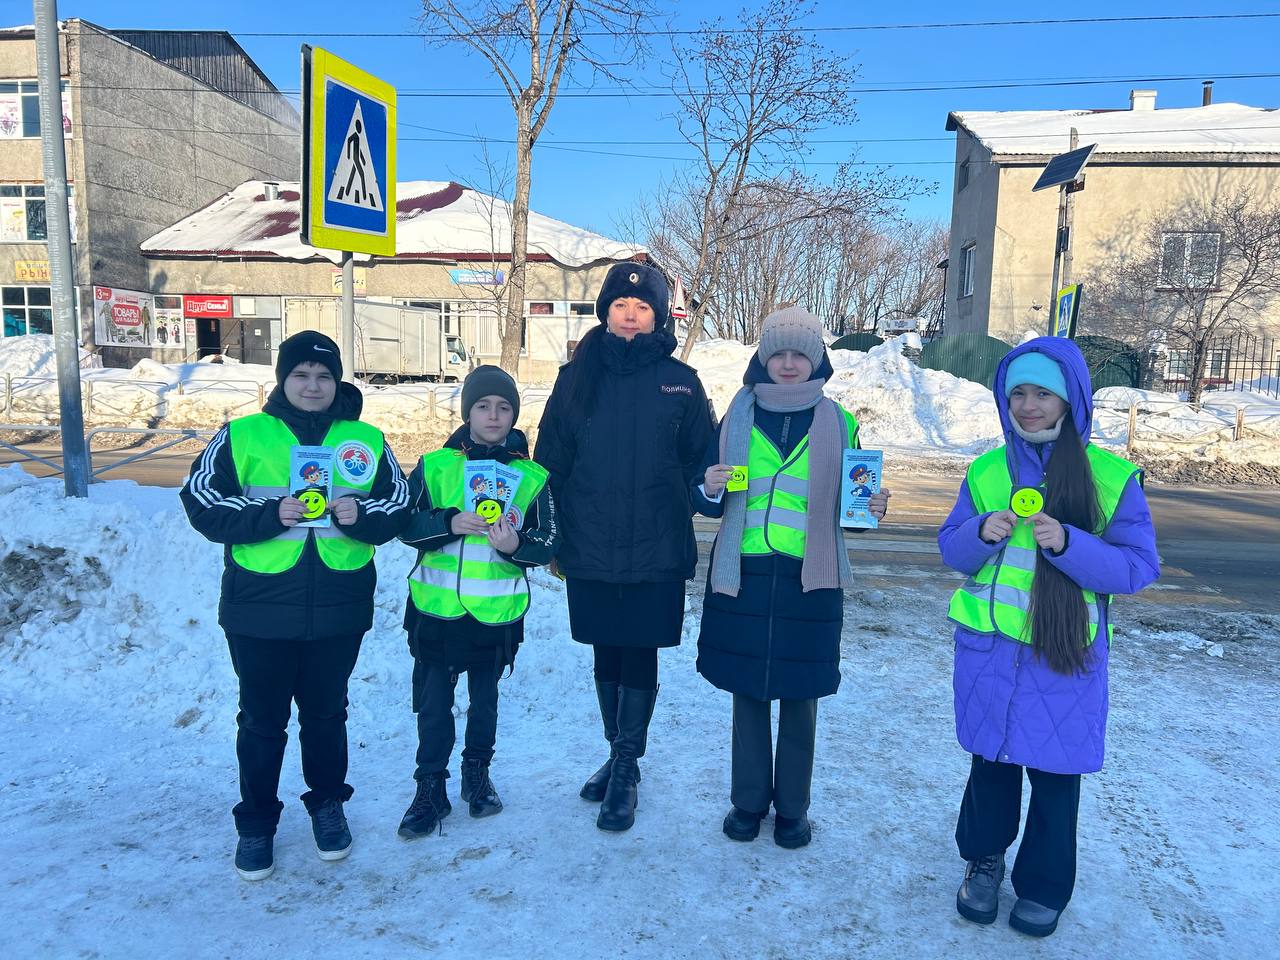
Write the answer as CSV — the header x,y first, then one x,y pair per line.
x,y
1012,229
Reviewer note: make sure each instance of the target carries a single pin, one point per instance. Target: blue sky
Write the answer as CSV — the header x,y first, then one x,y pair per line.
x,y
595,190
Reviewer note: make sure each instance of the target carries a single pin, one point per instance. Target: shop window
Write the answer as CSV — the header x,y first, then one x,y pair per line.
x,y
22,213
540,309
582,309
20,110
26,310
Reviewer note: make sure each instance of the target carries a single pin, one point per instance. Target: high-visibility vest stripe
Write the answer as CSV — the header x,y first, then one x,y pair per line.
x,y
997,598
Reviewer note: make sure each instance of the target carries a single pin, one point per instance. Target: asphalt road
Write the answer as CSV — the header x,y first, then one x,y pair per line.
x,y
1219,546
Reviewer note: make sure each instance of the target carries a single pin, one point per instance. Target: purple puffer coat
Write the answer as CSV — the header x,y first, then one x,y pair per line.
x,y
1010,705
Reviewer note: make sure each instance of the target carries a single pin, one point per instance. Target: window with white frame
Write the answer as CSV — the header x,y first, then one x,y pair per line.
x,y
1188,260
20,110
26,310
22,213
968,257
582,309
1178,364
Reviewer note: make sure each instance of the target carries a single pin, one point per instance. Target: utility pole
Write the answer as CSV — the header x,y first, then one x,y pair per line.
x,y
1062,239
66,325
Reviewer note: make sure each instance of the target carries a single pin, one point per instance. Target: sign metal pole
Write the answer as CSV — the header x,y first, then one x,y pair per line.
x,y
66,326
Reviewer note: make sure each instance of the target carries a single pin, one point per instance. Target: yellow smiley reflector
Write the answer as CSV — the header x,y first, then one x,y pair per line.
x,y
737,479
1027,501
313,504
489,510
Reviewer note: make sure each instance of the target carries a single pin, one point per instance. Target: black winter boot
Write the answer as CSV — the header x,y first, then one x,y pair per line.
x,y
607,694
635,710
332,835
477,789
430,805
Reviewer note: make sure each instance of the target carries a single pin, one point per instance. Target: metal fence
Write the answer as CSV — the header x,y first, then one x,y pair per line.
x,y
1242,363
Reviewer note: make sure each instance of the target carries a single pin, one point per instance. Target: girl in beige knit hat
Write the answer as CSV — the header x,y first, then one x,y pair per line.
x,y
774,605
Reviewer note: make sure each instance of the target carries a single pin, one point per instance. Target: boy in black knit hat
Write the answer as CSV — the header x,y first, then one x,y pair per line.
x,y
468,592
297,592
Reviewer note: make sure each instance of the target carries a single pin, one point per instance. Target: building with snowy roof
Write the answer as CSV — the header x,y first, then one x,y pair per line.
x,y
157,123
452,260
1149,164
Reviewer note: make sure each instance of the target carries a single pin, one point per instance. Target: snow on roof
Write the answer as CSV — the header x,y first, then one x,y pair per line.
x,y
433,220
1219,128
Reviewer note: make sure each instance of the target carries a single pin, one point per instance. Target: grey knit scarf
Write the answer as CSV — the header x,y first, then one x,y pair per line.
x,y
826,562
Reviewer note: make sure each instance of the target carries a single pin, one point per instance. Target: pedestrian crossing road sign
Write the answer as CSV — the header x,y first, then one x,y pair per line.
x,y
348,157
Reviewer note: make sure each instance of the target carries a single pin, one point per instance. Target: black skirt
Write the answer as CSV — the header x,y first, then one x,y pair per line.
x,y
626,614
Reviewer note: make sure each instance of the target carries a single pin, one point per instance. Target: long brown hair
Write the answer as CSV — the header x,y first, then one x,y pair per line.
x,y
1059,617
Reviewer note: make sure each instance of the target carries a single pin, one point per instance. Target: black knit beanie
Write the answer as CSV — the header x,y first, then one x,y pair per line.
x,y
309,346
490,381
635,280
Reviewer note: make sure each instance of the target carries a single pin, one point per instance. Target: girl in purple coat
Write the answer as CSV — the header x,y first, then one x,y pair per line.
x,y
1048,528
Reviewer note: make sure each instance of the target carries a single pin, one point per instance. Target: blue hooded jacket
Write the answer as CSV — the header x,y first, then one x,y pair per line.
x,y
1011,706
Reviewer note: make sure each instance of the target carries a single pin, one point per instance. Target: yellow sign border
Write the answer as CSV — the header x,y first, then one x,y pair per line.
x,y
327,66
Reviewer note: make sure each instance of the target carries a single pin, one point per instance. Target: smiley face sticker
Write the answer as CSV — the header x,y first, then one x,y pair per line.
x,y
1027,501
489,509
737,480
314,503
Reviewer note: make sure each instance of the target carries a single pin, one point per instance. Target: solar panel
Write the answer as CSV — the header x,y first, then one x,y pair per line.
x,y
1065,168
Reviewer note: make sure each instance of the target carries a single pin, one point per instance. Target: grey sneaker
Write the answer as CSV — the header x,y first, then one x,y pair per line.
x,y
1033,919
979,896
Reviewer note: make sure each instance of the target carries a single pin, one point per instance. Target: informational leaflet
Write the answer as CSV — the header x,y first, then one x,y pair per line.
x,y
859,479
311,481
508,480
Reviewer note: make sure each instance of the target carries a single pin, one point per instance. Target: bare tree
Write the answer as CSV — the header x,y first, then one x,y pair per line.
x,y
1199,273
747,95
532,45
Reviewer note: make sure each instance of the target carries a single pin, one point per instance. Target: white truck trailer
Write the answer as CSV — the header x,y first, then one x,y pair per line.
x,y
391,342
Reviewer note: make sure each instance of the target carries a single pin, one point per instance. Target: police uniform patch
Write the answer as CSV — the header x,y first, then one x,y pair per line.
x,y
355,463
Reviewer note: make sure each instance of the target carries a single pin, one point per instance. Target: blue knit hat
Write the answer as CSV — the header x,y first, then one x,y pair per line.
x,y
1038,369
635,280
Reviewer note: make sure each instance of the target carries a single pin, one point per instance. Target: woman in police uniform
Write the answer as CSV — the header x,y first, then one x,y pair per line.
x,y
774,606
296,601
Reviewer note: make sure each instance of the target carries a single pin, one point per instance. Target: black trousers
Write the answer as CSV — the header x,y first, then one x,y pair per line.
x,y
1045,869
273,675
758,777
433,688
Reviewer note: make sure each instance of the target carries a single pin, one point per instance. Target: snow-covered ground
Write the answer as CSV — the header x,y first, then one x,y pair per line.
x,y
906,410
117,719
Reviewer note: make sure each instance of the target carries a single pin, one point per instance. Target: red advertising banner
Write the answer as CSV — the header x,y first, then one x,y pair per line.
x,y
206,305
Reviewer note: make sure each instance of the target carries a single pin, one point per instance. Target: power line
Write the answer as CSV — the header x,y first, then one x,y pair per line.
x,y
848,28
620,93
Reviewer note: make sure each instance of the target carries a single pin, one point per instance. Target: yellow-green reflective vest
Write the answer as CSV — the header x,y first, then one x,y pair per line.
x,y
996,598
467,575
778,494
260,447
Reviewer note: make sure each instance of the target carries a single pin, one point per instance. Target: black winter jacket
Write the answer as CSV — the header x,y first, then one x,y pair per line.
x,y
310,601
465,642
621,472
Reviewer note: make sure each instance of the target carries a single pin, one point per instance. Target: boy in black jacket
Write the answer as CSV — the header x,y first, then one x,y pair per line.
x,y
296,601
468,592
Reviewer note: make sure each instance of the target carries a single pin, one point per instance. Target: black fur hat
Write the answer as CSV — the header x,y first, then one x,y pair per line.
x,y
639,280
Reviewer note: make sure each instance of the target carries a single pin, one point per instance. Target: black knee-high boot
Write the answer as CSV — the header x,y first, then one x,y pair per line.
x,y
607,694
635,710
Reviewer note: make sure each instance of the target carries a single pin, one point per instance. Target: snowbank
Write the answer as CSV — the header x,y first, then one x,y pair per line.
x,y
33,356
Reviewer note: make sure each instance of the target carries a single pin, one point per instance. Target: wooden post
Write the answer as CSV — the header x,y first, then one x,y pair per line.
x,y
1133,427
1239,431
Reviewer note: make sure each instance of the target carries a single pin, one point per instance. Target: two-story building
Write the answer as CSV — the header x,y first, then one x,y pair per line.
x,y
1148,162
156,123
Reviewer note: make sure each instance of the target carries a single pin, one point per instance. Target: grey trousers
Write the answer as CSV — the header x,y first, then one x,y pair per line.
x,y
758,779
